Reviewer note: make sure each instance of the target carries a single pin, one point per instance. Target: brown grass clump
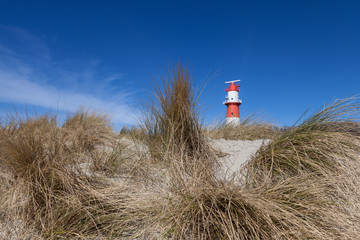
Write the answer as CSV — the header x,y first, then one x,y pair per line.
x,y
172,122
135,132
85,130
251,128
293,209
90,136
51,190
321,144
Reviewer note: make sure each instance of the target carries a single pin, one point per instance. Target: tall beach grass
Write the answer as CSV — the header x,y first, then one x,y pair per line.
x,y
51,191
302,185
252,127
172,123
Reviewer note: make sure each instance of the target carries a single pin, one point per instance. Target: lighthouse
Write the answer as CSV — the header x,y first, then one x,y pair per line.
x,y
232,103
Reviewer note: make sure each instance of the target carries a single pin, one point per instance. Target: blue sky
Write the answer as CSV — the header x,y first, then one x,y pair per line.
x,y
290,55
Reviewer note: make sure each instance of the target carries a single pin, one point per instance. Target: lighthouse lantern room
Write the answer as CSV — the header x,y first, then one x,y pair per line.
x,y
232,103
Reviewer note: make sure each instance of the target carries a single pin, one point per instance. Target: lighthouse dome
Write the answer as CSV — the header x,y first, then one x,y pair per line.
x,y
233,87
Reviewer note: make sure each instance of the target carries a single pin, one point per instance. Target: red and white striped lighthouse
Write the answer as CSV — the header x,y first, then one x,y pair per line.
x,y
232,103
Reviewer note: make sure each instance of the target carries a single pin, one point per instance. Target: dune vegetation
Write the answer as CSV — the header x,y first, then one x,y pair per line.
x,y
78,179
251,127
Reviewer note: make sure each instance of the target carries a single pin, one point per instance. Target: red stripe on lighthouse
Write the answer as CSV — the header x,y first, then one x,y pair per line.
x,y
232,110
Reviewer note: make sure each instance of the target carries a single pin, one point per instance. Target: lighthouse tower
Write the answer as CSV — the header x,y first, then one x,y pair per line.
x,y
232,103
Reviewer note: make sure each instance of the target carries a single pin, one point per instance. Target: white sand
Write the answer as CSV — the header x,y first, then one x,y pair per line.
x,y
239,151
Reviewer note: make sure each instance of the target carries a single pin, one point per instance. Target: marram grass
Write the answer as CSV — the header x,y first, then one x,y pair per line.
x,y
51,191
322,144
251,127
73,181
172,123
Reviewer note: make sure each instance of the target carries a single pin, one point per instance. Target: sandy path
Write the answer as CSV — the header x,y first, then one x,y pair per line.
x,y
239,151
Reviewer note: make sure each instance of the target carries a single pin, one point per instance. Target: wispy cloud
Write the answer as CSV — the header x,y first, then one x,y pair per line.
x,y
23,81
23,42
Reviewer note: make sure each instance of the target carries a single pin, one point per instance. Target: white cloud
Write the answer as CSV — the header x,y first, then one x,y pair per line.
x,y
25,42
17,88
24,79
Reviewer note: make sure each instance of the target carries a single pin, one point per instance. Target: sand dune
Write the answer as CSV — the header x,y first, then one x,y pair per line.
x,y
238,151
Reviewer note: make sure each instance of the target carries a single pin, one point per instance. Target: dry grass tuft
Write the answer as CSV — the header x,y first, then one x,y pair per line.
x,y
85,130
287,210
251,128
172,122
321,144
136,133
